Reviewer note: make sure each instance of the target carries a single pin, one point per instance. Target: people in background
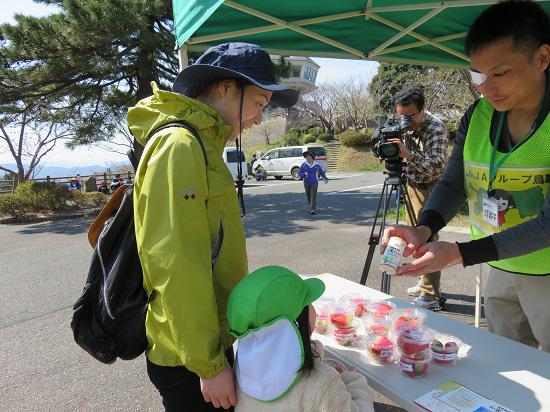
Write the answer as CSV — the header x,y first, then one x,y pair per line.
x,y
74,184
116,183
309,172
103,188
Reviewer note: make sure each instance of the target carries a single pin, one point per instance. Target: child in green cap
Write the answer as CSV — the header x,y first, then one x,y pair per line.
x,y
277,366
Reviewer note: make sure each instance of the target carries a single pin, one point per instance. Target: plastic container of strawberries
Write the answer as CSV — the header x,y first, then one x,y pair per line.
x,y
407,318
415,367
445,349
415,343
342,315
380,349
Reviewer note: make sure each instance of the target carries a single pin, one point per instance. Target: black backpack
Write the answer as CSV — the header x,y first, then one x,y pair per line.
x,y
109,318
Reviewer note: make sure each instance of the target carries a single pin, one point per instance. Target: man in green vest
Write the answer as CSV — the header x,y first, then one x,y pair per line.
x,y
500,165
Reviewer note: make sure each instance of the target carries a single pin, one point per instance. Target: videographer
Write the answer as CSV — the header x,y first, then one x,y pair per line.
x,y
501,165
424,147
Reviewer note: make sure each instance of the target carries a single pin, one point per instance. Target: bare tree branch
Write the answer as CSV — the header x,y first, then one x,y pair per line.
x,y
8,170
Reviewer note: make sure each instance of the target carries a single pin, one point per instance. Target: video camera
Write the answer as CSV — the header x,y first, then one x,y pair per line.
x,y
394,127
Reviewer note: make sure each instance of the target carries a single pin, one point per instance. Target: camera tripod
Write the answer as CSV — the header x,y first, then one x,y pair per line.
x,y
393,183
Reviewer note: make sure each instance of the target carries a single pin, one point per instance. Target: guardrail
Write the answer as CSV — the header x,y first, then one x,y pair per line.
x,y
100,177
8,186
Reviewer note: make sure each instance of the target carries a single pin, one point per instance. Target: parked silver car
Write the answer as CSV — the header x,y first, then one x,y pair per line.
x,y
286,161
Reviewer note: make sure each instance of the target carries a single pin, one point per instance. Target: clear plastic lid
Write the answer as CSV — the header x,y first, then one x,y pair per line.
x,y
324,305
447,344
342,315
414,342
407,318
380,342
358,301
416,335
380,308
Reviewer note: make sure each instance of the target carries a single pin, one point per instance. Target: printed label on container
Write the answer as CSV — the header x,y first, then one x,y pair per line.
x,y
444,356
407,367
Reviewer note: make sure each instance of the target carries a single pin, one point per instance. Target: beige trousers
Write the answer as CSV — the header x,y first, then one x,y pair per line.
x,y
518,307
429,283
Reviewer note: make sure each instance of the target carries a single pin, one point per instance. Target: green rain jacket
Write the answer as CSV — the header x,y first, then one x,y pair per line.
x,y
190,238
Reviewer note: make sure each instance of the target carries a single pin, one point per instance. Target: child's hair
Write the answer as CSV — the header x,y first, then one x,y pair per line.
x,y
305,332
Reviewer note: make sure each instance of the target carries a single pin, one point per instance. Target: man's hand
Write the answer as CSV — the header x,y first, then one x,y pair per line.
x,y
413,236
403,151
220,390
431,257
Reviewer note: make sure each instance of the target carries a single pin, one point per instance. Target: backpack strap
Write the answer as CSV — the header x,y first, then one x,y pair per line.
x,y
114,203
134,160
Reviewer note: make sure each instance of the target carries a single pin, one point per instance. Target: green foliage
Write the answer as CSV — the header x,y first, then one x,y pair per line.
x,y
293,137
353,138
14,205
315,131
92,58
325,137
44,196
354,159
282,68
34,196
309,138
447,92
451,129
92,199
389,80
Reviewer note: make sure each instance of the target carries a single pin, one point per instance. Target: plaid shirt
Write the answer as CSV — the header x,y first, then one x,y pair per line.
x,y
428,145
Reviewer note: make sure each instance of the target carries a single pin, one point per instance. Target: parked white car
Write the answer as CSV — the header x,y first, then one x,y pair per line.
x,y
231,158
286,161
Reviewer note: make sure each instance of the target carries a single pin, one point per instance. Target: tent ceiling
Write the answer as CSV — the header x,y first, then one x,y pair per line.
x,y
406,31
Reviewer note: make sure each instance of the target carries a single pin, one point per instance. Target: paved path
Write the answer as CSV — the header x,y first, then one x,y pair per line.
x,y
44,266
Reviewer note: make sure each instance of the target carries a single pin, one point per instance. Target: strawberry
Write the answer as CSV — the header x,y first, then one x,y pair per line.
x,y
405,322
384,309
410,348
345,336
379,329
380,350
412,368
341,320
360,309
444,355
383,342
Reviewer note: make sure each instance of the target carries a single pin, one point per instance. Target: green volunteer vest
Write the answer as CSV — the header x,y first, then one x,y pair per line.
x,y
521,185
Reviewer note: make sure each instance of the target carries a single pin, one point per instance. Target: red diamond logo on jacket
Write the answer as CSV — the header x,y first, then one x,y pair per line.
x,y
189,193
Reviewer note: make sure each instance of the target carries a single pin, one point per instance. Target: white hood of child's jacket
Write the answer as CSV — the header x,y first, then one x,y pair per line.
x,y
269,360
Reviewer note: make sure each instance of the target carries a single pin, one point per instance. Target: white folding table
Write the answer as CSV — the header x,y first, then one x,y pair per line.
x,y
512,374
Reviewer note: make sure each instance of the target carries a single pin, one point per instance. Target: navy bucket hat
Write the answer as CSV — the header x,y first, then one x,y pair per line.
x,y
235,61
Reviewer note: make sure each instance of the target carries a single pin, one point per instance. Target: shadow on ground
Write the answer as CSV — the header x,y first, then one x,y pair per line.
x,y
66,227
288,213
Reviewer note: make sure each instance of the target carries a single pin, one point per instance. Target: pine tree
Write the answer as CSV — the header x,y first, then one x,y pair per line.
x,y
91,60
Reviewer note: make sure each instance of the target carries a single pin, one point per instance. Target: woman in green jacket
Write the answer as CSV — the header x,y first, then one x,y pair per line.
x,y
189,234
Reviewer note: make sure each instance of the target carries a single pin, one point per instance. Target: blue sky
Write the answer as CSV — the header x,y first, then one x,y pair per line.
x,y
331,70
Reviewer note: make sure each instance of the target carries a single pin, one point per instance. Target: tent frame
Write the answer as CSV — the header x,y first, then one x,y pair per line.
x,y
369,12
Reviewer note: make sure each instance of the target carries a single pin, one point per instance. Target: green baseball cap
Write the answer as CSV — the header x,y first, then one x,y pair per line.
x,y
268,294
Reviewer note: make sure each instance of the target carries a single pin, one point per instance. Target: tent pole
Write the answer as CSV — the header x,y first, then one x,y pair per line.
x,y
182,57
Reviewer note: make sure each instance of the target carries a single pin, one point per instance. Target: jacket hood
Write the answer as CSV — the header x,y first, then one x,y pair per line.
x,y
165,107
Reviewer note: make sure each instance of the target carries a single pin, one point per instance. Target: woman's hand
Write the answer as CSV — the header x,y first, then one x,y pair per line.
x,y
220,390
431,257
413,236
